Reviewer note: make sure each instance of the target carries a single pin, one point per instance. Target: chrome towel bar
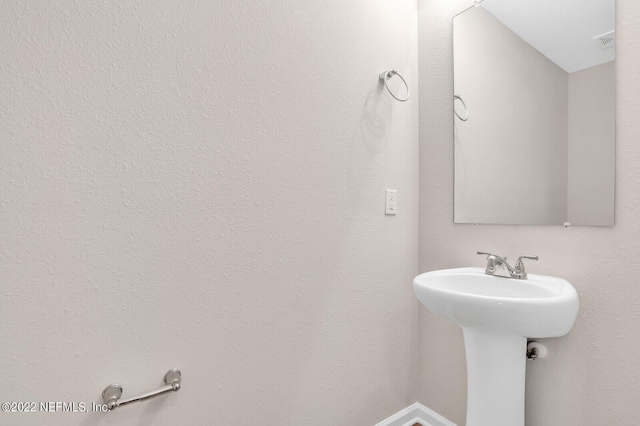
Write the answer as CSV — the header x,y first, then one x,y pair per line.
x,y
112,393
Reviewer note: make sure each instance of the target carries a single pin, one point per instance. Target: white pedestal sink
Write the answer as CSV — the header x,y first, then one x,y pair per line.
x,y
497,315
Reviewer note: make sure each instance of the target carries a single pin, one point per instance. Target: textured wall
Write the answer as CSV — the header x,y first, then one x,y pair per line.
x,y
200,185
591,375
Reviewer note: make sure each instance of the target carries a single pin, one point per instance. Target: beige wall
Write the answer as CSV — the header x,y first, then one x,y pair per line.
x,y
200,185
592,133
497,73
591,376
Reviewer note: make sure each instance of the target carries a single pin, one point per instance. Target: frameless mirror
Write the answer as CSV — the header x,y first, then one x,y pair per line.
x,y
534,112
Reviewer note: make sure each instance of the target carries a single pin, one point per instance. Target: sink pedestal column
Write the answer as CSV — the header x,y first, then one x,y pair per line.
x,y
496,365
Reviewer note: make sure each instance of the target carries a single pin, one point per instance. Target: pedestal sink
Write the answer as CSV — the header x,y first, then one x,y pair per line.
x,y
497,315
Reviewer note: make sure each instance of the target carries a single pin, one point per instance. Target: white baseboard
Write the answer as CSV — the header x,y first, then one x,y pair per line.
x,y
416,413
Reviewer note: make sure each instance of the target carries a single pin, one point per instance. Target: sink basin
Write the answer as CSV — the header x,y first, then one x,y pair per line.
x,y
540,306
497,315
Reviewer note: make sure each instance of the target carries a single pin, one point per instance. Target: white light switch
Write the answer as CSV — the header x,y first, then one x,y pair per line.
x,y
390,204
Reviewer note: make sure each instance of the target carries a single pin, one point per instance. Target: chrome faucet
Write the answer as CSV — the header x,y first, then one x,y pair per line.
x,y
495,263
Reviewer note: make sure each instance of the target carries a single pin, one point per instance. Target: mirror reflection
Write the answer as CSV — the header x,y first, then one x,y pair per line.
x,y
534,112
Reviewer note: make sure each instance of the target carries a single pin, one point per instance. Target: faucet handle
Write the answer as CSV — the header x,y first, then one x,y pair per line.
x,y
491,256
492,262
520,271
488,254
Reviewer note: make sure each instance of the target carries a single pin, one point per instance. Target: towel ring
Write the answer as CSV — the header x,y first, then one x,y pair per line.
x,y
384,78
464,105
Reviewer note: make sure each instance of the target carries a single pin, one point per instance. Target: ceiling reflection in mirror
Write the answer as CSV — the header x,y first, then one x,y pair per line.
x,y
535,81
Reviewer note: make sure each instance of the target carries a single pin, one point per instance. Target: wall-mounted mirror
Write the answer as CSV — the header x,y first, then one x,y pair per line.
x,y
535,81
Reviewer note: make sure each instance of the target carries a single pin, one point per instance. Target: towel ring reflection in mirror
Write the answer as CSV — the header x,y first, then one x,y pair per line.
x,y
463,104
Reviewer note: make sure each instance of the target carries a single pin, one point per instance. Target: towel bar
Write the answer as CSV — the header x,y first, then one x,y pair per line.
x,y
112,393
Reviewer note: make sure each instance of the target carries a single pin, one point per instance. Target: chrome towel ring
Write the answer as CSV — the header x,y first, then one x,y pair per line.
x,y
463,104
384,78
